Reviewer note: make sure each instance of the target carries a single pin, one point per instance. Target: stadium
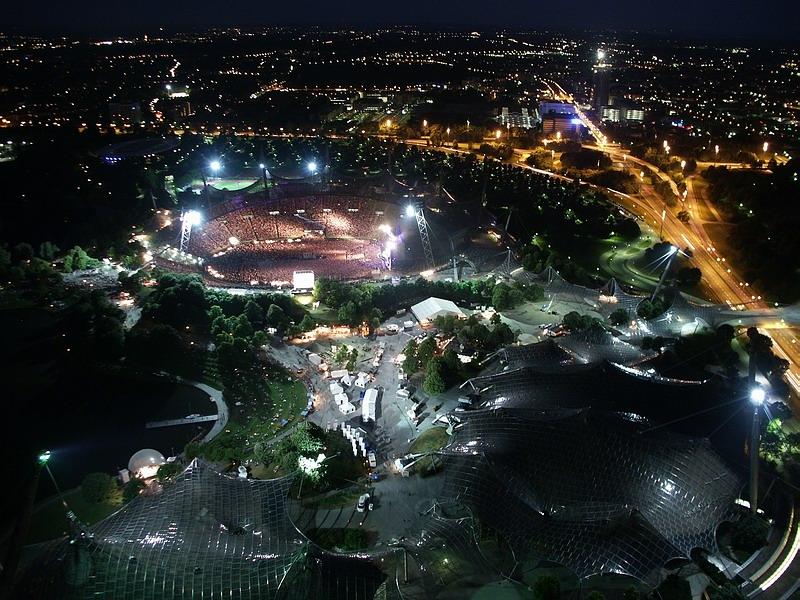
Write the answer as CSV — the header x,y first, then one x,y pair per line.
x,y
290,233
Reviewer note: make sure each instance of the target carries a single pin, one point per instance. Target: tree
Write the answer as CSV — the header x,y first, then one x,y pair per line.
x,y
308,323
500,299
410,363
351,360
434,382
689,275
254,313
348,314
242,328
306,439
167,471
276,317
260,338
618,317
750,533
426,350
97,487
132,489
288,462
546,588
631,593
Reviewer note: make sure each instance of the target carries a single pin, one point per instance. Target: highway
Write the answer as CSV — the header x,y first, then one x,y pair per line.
x,y
721,282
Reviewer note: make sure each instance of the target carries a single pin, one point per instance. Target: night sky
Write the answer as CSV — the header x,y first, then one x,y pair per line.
x,y
777,19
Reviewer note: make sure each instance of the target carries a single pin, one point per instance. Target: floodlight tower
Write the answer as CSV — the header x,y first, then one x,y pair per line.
x,y
417,210
189,219
757,397
673,252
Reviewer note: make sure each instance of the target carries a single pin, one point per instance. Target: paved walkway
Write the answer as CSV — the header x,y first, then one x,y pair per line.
x,y
222,408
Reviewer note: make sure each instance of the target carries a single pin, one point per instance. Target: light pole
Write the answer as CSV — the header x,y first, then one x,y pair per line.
x,y
757,397
214,166
672,253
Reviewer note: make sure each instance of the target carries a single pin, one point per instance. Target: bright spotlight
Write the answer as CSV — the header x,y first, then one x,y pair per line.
x,y
601,54
391,245
44,457
757,396
262,166
169,87
410,211
384,228
233,240
312,166
192,218
673,250
215,165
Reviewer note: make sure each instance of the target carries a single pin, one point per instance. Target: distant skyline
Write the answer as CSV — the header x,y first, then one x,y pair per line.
x,y
712,19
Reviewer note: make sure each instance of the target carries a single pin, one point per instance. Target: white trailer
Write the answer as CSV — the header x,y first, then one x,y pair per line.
x,y
368,405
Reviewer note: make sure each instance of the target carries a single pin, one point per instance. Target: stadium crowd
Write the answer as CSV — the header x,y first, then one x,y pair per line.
x,y
264,242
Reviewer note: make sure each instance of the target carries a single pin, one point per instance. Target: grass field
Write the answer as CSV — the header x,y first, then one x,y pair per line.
x,y
50,521
231,185
432,439
289,398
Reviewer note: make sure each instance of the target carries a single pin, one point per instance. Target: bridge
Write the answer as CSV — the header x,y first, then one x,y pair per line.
x,y
184,421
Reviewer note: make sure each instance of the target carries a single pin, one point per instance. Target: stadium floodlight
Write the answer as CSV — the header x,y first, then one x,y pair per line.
x,y
410,210
312,166
192,218
757,396
215,166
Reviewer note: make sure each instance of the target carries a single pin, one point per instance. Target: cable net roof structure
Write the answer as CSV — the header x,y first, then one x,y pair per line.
x,y
592,491
206,535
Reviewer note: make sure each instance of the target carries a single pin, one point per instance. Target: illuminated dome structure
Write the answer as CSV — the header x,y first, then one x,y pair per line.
x,y
145,463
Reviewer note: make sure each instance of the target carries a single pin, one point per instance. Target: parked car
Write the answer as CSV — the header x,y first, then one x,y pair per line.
x,y
363,502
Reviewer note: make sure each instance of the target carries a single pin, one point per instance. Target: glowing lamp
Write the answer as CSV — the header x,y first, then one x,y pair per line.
x,y
757,396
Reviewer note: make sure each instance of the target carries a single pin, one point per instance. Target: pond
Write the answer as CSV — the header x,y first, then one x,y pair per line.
x,y
107,423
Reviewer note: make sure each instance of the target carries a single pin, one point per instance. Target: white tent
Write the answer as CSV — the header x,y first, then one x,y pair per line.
x,y
362,380
427,310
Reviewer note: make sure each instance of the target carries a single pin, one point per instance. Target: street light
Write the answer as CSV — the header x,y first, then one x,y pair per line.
x,y
44,457
312,166
215,166
757,397
497,134
765,147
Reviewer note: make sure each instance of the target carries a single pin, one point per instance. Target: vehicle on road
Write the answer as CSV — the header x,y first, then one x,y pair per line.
x,y
363,502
